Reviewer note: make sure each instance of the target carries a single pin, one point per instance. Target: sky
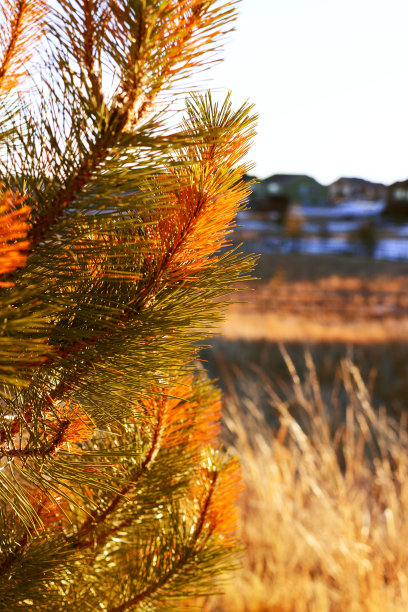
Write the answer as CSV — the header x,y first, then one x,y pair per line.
x,y
329,80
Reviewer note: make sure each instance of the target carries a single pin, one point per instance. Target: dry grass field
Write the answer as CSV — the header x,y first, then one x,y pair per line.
x,y
314,299
336,306
314,363
324,514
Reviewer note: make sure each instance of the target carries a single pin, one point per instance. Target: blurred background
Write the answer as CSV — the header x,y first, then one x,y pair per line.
x,y
313,357
328,210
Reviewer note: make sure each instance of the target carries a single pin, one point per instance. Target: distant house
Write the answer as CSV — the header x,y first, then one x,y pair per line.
x,y
397,199
346,189
278,191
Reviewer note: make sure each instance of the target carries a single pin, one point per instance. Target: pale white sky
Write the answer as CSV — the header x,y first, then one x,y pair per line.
x,y
329,79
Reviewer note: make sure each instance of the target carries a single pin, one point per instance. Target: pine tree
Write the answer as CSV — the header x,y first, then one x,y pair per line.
x,y
114,259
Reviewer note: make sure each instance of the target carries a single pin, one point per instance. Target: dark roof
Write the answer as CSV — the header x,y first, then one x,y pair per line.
x,y
356,181
287,178
403,183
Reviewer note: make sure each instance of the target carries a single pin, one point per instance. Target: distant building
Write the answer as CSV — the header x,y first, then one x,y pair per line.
x,y
278,191
397,199
346,189
254,195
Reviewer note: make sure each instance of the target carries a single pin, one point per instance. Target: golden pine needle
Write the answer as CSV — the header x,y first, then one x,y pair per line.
x,y
20,30
13,231
75,425
183,422
202,213
216,491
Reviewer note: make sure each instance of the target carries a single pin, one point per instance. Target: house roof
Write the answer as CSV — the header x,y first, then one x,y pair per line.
x,y
356,181
287,178
399,184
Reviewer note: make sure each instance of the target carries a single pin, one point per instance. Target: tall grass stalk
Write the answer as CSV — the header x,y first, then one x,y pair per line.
x,y
324,514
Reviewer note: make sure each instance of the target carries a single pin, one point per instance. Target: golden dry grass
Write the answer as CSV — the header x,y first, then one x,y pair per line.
x,y
311,298
327,309
324,514
277,327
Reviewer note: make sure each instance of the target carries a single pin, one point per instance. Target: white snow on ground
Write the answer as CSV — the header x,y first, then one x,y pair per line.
x,y
337,223
352,209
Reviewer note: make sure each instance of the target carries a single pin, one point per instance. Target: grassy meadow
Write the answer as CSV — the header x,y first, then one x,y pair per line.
x,y
313,361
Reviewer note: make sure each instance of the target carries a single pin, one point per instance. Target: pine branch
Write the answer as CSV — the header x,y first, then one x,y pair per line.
x,y
98,517
14,426
182,561
171,419
20,30
185,241
95,19
211,528
22,332
13,232
68,427
189,28
15,554
109,460
43,506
